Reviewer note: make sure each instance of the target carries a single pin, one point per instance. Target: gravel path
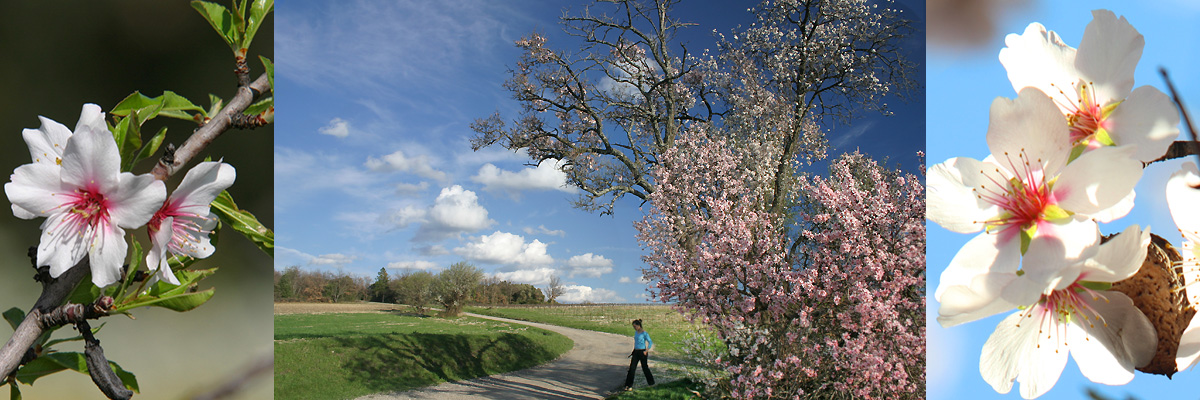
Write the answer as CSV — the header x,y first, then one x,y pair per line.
x,y
593,368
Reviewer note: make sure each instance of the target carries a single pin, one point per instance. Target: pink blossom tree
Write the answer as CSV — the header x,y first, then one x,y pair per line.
x,y
826,297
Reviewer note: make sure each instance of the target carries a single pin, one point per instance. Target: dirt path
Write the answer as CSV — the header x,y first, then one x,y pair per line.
x,y
594,367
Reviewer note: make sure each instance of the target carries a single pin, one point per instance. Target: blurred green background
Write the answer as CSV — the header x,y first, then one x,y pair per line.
x,y
56,56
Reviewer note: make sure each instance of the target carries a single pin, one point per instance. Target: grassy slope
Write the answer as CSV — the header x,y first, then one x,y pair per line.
x,y
668,328
325,356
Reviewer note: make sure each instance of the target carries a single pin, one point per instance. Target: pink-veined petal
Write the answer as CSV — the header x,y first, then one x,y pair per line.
x,y
199,246
60,246
92,161
156,258
970,287
1147,119
134,201
1107,351
1046,267
36,188
1038,58
952,201
106,254
1028,129
1077,234
1021,350
1119,258
1098,180
1108,54
1189,346
1183,200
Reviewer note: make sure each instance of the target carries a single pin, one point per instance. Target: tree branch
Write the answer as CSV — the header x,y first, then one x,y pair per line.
x,y
223,121
54,293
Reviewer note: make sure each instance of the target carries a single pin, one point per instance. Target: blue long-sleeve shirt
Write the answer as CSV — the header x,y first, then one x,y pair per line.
x,y
641,340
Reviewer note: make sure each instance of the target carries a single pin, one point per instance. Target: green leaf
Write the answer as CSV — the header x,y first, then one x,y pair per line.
x,y
215,104
270,67
151,147
180,302
244,222
1097,286
258,13
14,316
176,106
51,363
135,101
136,250
260,107
169,104
1027,237
221,20
14,393
187,279
126,377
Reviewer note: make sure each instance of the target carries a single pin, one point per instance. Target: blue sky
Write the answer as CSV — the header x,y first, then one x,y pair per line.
x,y
962,87
374,168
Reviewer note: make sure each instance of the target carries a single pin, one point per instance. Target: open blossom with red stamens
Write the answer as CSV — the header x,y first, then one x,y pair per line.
x,y
87,202
1024,193
1064,309
47,143
181,226
1093,85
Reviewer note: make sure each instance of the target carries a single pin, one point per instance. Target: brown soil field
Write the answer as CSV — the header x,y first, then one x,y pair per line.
x,y
321,308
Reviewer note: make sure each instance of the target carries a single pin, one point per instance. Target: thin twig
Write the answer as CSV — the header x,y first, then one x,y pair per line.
x,y
1187,120
54,293
212,129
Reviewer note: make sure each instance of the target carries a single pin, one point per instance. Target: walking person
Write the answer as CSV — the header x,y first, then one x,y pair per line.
x,y
641,348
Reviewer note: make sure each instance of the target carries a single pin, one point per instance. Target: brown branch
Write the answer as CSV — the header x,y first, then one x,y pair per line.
x,y
219,123
1187,119
54,293
1178,149
98,367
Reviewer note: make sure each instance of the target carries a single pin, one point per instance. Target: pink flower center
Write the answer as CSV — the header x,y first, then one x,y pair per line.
x,y
1055,311
1023,199
88,210
1087,117
184,228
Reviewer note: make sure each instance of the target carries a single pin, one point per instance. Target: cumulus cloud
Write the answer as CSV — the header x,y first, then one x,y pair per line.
x,y
547,176
413,265
506,248
543,230
454,212
421,165
337,127
589,265
538,276
580,293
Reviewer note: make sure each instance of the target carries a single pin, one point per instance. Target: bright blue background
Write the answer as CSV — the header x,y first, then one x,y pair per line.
x,y
962,85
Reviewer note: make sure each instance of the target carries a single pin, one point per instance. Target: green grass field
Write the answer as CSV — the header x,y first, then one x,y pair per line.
x,y
328,356
677,390
668,328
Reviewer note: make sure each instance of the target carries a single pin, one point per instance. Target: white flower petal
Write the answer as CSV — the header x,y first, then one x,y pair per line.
x,y
1121,257
199,246
1108,54
1046,266
951,198
1037,59
135,199
156,258
91,161
203,183
36,189
1098,180
1147,119
1019,351
970,287
1108,351
1077,234
1121,209
1182,199
60,247
91,117
1028,129
107,254
1189,346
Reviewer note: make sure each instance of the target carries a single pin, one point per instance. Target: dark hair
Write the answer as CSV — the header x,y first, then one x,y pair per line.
x,y
637,322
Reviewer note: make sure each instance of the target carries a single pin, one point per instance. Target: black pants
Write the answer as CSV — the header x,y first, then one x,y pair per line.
x,y
638,355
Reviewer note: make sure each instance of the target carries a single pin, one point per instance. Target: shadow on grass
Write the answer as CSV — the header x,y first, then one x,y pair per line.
x,y
393,362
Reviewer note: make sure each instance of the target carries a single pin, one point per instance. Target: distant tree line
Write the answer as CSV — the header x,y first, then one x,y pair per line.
x,y
451,289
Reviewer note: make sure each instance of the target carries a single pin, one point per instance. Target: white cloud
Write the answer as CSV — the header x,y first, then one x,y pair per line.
x,y
580,293
432,251
454,212
547,176
409,189
625,279
539,276
589,265
543,230
421,165
335,259
854,132
416,265
337,127
506,248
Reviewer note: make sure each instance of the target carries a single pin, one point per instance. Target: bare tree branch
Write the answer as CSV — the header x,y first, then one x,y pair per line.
x,y
223,121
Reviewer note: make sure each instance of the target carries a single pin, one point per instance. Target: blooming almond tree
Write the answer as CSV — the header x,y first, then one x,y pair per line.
x,y
842,316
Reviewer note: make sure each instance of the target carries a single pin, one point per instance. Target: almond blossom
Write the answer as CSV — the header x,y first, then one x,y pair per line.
x,y
1182,199
1064,308
181,226
87,203
47,143
1093,85
1025,191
